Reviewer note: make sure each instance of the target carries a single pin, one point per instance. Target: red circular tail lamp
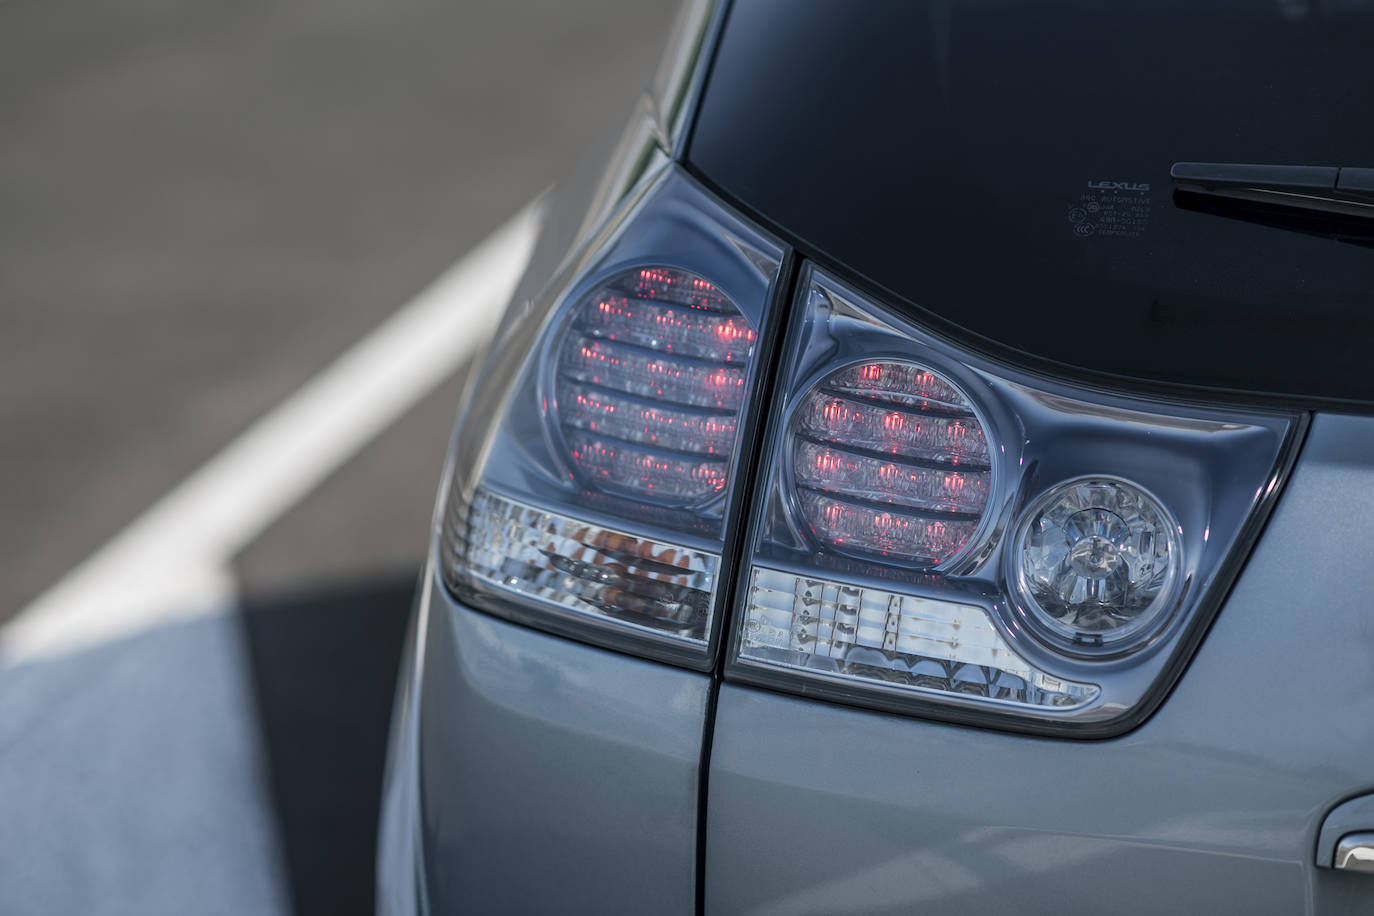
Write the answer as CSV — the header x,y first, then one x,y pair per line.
x,y
649,383
890,461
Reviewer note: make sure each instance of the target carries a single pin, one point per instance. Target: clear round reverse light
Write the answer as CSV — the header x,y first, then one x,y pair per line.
x,y
1096,561
890,461
649,381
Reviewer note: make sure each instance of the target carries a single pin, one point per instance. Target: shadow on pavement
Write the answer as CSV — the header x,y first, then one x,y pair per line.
x,y
324,663
131,779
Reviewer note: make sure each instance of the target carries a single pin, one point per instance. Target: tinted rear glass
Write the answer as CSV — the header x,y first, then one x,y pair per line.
x,y
1005,166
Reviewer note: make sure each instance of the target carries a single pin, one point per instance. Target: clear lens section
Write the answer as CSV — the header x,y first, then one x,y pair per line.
x,y
890,460
588,569
1097,558
902,640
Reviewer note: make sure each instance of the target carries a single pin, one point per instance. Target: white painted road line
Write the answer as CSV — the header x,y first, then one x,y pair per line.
x,y
173,562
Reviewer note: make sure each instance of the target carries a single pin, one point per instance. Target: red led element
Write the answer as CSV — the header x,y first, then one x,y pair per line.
x,y
880,481
899,383
683,331
624,418
668,284
608,461
886,532
948,440
890,460
649,385
642,374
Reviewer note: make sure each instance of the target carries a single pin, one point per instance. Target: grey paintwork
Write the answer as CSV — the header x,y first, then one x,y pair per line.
x,y
554,776
1212,806
400,884
1353,816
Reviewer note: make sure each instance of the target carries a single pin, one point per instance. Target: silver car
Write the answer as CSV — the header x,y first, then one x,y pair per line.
x,y
929,470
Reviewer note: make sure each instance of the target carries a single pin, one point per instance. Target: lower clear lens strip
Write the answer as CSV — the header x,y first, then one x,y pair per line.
x,y
584,568
901,640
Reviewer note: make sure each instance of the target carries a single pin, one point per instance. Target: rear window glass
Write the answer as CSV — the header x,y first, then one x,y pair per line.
x,y
1005,167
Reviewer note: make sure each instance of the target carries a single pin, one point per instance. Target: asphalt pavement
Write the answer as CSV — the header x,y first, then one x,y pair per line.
x,y
201,206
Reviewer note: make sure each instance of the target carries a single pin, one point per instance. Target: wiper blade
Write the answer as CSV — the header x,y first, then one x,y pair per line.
x,y
1331,190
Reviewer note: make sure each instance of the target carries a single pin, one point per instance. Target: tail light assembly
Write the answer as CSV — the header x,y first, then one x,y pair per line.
x,y
595,504
899,523
941,534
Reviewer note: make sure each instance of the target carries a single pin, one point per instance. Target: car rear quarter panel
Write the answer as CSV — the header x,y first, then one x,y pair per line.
x,y
554,777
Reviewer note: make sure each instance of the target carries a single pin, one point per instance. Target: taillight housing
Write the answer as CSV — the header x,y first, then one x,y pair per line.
x,y
593,501
941,534
926,531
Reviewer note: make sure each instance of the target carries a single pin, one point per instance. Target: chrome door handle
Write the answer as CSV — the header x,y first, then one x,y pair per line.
x,y
1355,852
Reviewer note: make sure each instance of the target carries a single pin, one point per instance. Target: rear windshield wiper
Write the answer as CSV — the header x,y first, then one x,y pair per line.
x,y
1321,200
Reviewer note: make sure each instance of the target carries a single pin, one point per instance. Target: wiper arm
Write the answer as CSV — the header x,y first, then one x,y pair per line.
x,y
1338,192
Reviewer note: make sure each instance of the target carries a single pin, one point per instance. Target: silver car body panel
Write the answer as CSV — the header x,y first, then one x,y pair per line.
x,y
552,775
